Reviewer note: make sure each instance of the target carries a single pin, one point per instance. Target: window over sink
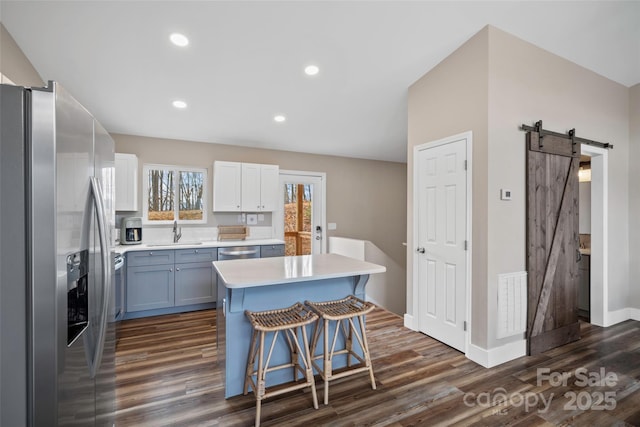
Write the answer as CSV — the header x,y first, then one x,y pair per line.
x,y
174,193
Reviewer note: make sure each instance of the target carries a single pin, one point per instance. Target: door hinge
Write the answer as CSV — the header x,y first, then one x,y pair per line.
x,y
464,326
465,245
465,165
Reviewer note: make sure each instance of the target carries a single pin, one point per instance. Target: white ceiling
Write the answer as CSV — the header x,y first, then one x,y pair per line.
x,y
245,61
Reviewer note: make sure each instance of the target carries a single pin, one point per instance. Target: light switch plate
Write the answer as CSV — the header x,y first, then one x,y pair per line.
x,y
505,194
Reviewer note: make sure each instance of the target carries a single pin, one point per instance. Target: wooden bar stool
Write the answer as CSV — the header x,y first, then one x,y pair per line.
x,y
288,320
341,310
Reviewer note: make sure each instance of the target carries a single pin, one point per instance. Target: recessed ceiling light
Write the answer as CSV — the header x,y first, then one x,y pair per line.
x,y
180,104
311,70
279,118
179,39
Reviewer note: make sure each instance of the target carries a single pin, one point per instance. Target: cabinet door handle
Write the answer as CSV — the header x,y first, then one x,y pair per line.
x,y
196,251
150,253
177,268
170,270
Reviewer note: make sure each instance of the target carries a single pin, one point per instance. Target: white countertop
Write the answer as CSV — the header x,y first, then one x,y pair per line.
x,y
246,273
194,245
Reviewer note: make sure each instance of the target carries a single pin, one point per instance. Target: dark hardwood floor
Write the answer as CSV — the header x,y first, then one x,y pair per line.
x,y
167,375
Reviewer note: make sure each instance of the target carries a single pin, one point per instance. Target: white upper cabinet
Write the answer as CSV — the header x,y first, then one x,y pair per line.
x,y
245,187
269,180
126,182
227,181
251,200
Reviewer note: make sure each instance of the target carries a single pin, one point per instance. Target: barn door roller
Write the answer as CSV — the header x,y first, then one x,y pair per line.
x,y
571,135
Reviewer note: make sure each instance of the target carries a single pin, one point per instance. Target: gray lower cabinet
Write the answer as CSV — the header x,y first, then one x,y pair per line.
x,y
195,283
170,278
150,287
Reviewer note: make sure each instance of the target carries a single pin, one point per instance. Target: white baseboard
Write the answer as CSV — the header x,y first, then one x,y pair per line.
x,y
634,314
408,322
496,356
618,316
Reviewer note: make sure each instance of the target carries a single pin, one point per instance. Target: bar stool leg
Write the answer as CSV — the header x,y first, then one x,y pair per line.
x,y
365,350
295,361
250,363
326,366
309,371
260,380
349,343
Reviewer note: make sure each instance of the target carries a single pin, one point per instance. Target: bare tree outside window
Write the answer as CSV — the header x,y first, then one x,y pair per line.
x,y
175,193
190,195
160,195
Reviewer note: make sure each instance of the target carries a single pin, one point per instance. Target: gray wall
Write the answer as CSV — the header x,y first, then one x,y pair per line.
x,y
365,198
453,98
491,85
14,64
528,84
634,196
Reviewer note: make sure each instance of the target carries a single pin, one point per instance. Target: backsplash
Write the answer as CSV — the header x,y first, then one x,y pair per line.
x,y
158,234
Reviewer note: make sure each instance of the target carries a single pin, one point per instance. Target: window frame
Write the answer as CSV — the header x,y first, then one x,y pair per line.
x,y
147,167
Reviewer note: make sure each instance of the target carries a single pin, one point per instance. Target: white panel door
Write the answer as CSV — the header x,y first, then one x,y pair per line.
x,y
441,256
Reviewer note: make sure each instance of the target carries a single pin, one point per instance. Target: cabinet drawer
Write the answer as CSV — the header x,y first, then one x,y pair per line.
x,y
149,257
196,255
271,251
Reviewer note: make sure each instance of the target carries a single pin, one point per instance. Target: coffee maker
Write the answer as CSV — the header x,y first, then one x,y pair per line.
x,y
131,231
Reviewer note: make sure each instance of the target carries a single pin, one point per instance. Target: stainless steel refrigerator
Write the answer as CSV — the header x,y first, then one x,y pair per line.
x,y
57,342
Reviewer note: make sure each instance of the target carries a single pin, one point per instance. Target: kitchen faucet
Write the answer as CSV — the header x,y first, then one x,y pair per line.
x,y
176,234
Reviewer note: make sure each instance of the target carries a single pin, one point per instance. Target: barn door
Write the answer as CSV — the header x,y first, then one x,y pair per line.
x,y
552,241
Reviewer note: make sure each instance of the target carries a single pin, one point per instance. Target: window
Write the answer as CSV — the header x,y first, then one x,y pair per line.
x,y
174,193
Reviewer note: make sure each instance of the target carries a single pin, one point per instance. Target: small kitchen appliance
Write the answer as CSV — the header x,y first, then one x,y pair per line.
x,y
131,231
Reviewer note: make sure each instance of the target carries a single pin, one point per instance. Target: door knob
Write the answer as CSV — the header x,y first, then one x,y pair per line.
x,y
421,250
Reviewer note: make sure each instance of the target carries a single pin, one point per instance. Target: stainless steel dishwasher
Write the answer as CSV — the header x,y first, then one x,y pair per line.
x,y
238,252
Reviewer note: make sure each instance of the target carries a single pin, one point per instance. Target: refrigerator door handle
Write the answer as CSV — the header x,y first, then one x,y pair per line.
x,y
106,283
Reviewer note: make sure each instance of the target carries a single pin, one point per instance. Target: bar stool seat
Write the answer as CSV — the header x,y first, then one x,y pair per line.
x,y
289,320
341,310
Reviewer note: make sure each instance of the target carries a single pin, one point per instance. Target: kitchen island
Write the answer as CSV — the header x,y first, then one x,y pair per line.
x,y
271,283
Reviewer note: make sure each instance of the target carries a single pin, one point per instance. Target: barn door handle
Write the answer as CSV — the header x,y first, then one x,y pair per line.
x,y
578,255
421,250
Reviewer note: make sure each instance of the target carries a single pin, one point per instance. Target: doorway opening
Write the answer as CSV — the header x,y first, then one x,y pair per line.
x,y
584,230
598,265
298,205
300,218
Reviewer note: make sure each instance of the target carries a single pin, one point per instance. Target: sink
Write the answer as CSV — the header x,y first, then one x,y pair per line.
x,y
175,244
